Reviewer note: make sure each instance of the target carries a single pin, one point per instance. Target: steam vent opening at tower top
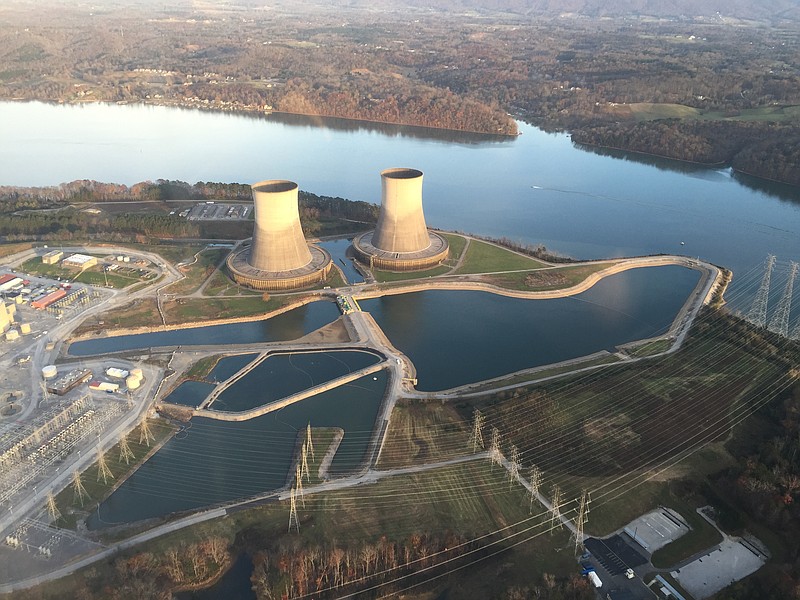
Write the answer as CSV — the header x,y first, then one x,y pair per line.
x,y
278,257
401,241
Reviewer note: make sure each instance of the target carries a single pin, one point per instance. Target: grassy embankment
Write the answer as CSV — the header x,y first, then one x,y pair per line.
x,y
615,431
96,489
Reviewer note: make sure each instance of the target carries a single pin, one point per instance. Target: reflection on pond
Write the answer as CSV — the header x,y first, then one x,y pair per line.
x,y
457,337
216,461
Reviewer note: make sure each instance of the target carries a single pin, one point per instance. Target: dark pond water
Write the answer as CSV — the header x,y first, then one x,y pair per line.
x,y
190,393
216,461
234,584
228,366
282,375
287,326
458,337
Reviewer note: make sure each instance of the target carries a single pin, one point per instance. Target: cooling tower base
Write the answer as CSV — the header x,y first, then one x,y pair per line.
x,y
374,257
245,274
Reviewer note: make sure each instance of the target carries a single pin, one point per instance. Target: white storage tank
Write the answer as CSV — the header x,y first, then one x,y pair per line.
x,y
49,371
137,372
133,382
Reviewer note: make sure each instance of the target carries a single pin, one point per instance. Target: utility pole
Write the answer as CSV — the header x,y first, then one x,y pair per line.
x,y
52,508
513,471
145,435
758,313
583,518
309,443
555,508
102,467
536,484
476,438
304,462
125,450
293,512
299,483
494,449
77,486
780,320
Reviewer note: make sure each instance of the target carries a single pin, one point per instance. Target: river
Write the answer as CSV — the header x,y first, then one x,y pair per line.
x,y
538,188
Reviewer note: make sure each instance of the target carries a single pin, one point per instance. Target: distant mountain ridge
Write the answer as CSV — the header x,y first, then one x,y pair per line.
x,y
760,10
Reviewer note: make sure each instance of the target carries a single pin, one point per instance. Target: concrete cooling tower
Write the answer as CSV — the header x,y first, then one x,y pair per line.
x,y
278,258
401,241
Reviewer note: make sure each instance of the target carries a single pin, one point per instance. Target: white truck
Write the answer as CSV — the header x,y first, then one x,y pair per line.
x,y
595,579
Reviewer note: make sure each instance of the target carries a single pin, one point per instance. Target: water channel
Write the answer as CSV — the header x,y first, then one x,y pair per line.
x,y
217,461
287,326
282,375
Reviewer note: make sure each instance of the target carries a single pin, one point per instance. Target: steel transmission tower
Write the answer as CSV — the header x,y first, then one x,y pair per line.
x,y
758,313
581,520
780,320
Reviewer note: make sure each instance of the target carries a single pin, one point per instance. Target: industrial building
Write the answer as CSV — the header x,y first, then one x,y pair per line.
x,y
278,257
6,315
52,257
104,386
69,382
79,261
45,301
401,241
10,282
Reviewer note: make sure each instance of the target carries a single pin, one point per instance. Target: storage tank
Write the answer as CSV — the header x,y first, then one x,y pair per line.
x,y
133,382
137,372
49,371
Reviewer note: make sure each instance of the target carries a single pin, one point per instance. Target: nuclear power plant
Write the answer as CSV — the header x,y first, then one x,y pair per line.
x,y
278,258
401,241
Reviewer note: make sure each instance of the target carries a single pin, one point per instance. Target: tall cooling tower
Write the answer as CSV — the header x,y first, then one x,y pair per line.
x,y
278,242
401,224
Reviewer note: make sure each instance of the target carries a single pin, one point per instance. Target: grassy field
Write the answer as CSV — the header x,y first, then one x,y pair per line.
x,y
545,279
189,310
142,312
172,253
457,244
196,273
391,276
9,249
423,432
483,257
651,348
645,111
203,367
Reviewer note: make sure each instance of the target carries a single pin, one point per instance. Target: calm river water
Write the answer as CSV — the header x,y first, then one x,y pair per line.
x,y
536,188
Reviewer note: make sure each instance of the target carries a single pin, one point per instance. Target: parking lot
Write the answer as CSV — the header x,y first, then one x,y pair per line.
x,y
614,554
